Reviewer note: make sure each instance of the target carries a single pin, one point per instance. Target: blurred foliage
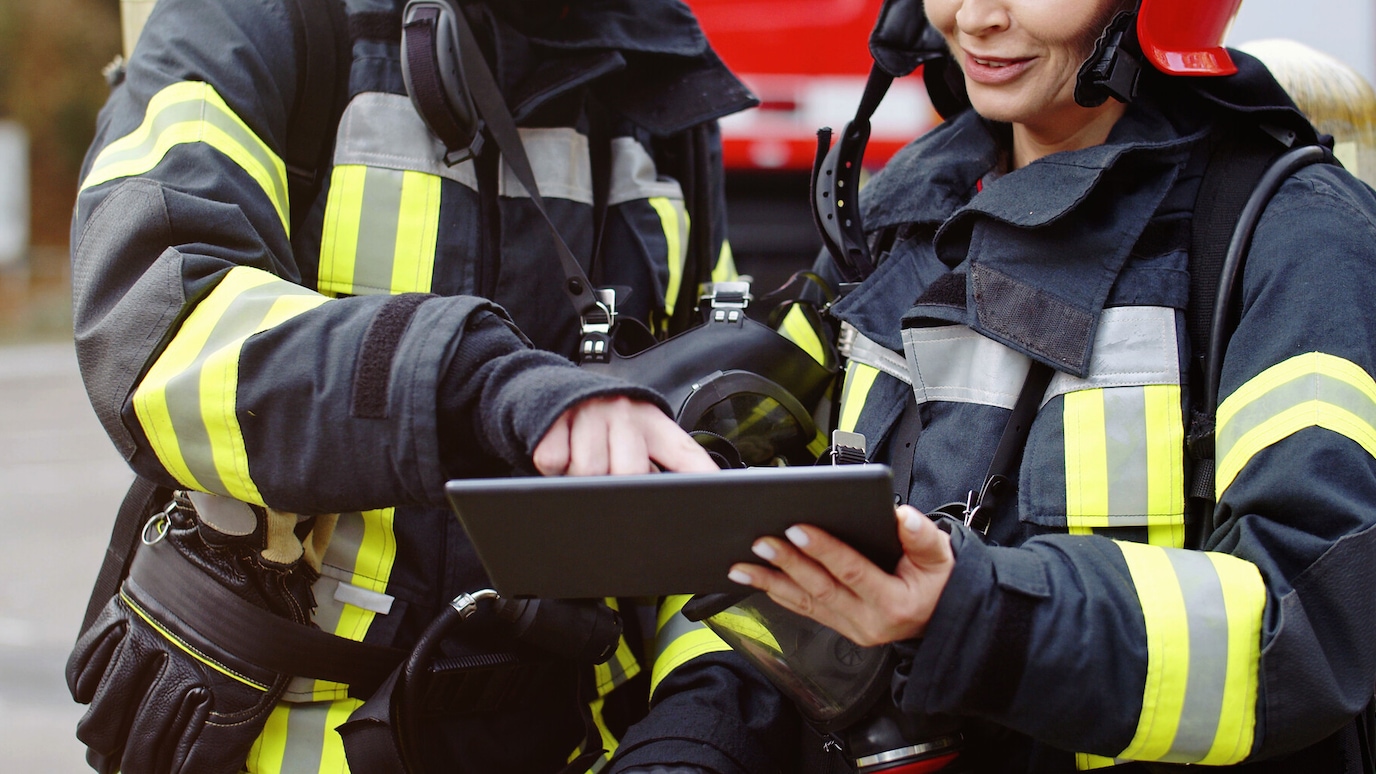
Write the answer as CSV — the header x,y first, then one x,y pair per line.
x,y
50,82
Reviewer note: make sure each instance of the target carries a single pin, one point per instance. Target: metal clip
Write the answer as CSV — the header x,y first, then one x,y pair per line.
x,y
727,300
160,523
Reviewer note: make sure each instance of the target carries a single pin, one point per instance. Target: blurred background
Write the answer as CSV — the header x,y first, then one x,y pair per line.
x,y
61,481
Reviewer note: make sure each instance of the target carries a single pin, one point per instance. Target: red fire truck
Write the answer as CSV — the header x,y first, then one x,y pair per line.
x,y
807,61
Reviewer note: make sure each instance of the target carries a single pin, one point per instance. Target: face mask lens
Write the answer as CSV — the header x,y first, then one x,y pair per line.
x,y
760,428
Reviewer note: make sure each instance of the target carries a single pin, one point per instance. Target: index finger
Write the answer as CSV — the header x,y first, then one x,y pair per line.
x,y
673,449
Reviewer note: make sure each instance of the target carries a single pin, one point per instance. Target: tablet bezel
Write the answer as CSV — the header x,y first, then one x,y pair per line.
x,y
668,533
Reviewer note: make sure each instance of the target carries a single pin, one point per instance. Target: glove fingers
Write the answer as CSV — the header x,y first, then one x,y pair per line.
x,y
167,724
93,653
124,684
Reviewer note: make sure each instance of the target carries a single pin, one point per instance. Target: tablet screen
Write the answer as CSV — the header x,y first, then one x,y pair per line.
x,y
667,533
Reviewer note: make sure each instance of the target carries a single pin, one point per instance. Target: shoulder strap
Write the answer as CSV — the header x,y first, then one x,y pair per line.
x,y
322,60
1242,175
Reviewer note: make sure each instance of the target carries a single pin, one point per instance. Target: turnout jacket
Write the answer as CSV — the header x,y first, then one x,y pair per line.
x,y
355,364
1082,632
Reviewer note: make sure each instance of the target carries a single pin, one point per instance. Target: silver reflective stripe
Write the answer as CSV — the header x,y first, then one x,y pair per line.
x,y
367,599
865,351
1125,440
1208,659
953,363
559,158
1306,386
377,231
1134,345
384,130
306,728
634,175
244,315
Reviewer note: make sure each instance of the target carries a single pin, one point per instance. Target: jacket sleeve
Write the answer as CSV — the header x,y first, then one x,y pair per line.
x,y
1256,646
211,362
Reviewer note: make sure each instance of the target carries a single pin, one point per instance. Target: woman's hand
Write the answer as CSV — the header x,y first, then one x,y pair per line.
x,y
614,436
828,581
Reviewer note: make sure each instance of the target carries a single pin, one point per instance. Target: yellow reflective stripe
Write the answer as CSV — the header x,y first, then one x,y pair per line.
x,y
192,112
1165,458
674,219
1086,462
332,757
1124,460
1087,762
609,742
746,627
798,330
856,387
187,647
370,569
186,402
418,228
679,640
301,737
1203,614
339,235
725,270
618,669
380,232
1310,390
270,748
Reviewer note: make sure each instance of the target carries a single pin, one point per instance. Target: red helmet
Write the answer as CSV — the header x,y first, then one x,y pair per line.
x,y
1185,37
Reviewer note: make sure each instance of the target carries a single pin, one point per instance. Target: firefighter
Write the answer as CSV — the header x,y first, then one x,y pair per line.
x,y
1071,621
308,374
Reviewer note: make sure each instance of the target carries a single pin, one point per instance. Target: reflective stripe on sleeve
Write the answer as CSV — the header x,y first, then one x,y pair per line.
x,y
186,402
1124,461
380,232
856,387
673,217
193,112
1310,390
679,640
1203,615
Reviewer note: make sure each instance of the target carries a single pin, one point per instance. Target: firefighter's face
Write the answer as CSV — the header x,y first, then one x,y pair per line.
x,y
1021,58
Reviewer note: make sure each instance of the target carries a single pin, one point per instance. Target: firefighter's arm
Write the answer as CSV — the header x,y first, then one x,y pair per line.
x,y
709,709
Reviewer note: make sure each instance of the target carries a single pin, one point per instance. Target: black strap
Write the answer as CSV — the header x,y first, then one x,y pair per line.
x,y
143,500
253,634
1233,168
322,44
491,105
1002,475
1238,183
904,449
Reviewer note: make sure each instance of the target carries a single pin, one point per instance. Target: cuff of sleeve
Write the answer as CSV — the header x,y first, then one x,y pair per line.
x,y
530,389
975,649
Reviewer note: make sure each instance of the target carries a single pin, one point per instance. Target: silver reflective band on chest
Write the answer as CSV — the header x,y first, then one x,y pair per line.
x,y
1133,346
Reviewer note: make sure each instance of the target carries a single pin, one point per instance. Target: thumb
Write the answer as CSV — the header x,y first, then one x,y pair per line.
x,y
924,545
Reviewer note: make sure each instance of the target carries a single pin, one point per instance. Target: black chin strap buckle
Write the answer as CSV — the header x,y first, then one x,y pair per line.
x,y
1114,67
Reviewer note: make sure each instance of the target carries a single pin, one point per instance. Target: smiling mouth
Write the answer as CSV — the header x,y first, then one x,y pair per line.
x,y
990,62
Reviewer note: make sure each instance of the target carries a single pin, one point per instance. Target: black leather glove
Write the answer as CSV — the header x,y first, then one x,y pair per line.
x,y
163,698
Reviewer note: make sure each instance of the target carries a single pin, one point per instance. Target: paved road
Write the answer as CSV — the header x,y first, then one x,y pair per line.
x,y
60,484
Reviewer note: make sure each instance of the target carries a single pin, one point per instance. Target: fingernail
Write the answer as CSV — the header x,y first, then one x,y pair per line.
x,y
764,551
796,536
742,578
912,520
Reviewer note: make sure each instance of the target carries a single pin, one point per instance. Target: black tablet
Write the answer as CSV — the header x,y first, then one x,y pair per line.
x,y
666,533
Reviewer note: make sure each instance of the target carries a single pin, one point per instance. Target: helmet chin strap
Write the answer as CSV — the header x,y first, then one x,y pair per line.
x,y
1112,70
